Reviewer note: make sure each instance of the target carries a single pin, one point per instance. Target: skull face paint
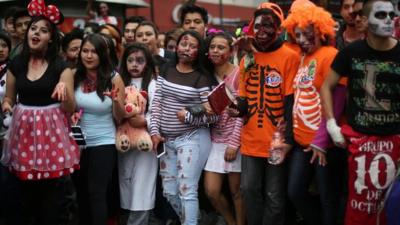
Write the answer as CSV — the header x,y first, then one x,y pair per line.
x,y
380,19
265,31
187,49
306,39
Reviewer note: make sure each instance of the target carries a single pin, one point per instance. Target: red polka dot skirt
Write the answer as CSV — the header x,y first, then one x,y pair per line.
x,y
39,145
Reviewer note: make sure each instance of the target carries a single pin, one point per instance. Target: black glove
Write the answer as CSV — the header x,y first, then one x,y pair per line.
x,y
196,110
242,106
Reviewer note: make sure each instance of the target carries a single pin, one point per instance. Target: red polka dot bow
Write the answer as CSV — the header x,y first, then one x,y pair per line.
x,y
51,12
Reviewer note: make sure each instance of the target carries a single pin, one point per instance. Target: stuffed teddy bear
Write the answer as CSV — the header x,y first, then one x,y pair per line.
x,y
129,137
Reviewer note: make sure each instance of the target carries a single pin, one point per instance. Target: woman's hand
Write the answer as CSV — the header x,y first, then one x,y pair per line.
x,y
245,43
156,139
181,114
317,154
232,112
76,116
113,94
6,107
230,154
285,148
60,92
208,108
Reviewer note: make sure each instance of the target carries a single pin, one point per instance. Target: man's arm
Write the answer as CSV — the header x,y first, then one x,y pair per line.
x,y
327,103
326,93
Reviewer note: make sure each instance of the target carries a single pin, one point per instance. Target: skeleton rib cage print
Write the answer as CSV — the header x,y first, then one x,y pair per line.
x,y
307,106
264,85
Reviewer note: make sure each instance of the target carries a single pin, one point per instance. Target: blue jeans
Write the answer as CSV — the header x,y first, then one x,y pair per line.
x,y
263,188
180,170
315,211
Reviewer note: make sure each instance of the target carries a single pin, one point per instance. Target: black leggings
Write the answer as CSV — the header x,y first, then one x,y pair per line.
x,y
41,201
92,182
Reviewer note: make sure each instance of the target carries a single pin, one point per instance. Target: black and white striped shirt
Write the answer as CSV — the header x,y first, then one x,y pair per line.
x,y
175,91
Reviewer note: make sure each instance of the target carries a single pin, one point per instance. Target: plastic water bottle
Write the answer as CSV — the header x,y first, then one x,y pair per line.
x,y
276,155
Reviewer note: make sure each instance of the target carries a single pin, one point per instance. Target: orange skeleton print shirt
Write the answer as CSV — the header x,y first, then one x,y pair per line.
x,y
307,109
265,85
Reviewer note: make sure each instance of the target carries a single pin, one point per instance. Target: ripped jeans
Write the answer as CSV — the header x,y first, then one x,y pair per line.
x,y
180,170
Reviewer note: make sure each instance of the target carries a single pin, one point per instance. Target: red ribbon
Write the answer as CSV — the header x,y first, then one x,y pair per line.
x,y
38,8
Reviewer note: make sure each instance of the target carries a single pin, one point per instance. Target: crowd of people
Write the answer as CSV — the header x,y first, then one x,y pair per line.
x,y
310,133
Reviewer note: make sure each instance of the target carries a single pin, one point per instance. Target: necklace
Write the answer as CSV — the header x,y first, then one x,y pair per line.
x,y
89,85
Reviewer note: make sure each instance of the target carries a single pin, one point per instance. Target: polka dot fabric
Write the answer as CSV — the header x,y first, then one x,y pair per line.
x,y
38,8
39,145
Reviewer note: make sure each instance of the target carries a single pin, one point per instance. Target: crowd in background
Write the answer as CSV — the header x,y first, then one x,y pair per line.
x,y
310,133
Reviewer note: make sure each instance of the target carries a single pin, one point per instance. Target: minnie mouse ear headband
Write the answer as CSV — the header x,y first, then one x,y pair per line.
x,y
276,10
51,12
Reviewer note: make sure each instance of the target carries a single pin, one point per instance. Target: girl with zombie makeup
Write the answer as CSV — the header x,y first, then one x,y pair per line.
x,y
99,93
138,169
182,85
312,28
39,150
224,155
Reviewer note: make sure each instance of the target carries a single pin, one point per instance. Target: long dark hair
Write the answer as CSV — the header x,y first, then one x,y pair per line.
x,y
53,48
111,49
148,71
104,70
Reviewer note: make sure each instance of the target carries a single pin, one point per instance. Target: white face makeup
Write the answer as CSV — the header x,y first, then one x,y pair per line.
x,y
380,19
136,63
306,39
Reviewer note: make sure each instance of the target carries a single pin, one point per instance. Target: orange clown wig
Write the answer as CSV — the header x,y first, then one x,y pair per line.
x,y
305,15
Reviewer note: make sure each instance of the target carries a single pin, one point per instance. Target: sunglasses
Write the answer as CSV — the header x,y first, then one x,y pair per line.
x,y
383,15
354,14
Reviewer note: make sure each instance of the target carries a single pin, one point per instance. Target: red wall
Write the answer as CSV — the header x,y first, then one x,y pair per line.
x,y
163,12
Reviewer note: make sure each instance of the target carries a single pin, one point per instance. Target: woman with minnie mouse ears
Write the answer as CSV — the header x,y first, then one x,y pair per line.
x,y
39,150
